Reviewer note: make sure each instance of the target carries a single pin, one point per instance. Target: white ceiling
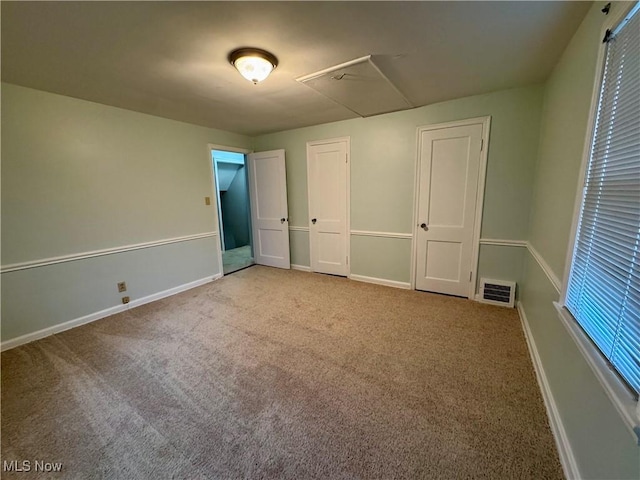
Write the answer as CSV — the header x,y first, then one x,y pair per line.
x,y
170,58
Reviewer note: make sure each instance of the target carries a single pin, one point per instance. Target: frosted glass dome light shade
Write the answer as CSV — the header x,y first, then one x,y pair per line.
x,y
253,64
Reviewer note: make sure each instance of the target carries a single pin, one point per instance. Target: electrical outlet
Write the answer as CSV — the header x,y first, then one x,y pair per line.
x,y
125,300
207,200
122,287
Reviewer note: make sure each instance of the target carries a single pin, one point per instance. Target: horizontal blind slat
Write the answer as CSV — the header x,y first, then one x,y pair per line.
x,y
603,292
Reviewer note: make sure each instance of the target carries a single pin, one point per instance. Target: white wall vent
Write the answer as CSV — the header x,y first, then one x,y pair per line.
x,y
497,292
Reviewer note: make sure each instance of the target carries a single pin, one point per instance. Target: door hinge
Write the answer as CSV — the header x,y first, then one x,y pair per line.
x,y
346,159
470,274
482,144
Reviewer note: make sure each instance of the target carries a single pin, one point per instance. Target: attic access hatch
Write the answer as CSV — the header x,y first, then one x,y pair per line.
x,y
358,85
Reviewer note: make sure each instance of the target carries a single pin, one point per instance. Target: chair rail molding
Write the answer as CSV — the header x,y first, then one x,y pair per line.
x,y
370,233
14,267
503,242
553,278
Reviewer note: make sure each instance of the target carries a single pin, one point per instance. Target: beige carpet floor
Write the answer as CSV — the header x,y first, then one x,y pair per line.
x,y
272,374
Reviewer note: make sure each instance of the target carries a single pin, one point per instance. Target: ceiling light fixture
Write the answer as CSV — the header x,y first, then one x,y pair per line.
x,y
253,64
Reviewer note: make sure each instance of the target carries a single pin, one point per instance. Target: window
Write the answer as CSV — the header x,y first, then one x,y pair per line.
x,y
603,293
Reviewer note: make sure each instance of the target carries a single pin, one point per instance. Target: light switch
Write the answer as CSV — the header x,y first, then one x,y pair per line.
x,y
207,200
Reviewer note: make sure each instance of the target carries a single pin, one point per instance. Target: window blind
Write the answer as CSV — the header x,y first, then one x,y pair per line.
x,y
603,292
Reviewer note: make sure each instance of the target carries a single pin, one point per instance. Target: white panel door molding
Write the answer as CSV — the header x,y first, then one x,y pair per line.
x,y
328,183
269,211
450,187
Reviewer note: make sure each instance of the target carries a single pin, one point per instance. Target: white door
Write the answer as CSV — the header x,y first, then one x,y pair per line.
x,y
269,212
327,176
447,196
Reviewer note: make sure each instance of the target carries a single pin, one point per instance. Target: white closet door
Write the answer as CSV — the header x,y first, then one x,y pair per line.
x,y
327,172
448,186
269,212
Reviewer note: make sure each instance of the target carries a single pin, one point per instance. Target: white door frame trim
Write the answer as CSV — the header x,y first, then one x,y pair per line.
x,y
346,139
218,205
482,174
214,189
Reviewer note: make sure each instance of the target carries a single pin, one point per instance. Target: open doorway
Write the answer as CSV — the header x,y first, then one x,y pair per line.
x,y
234,215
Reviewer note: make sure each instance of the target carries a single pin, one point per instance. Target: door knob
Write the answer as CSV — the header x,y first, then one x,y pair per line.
x,y
424,226
314,220
282,220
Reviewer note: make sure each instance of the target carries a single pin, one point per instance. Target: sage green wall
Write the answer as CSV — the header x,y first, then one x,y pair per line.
x,y
299,248
566,106
39,298
79,176
381,257
601,443
383,154
498,262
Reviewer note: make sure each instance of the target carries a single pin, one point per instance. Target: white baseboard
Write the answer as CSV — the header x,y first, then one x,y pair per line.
x,y
381,281
172,291
302,268
61,327
567,459
92,317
